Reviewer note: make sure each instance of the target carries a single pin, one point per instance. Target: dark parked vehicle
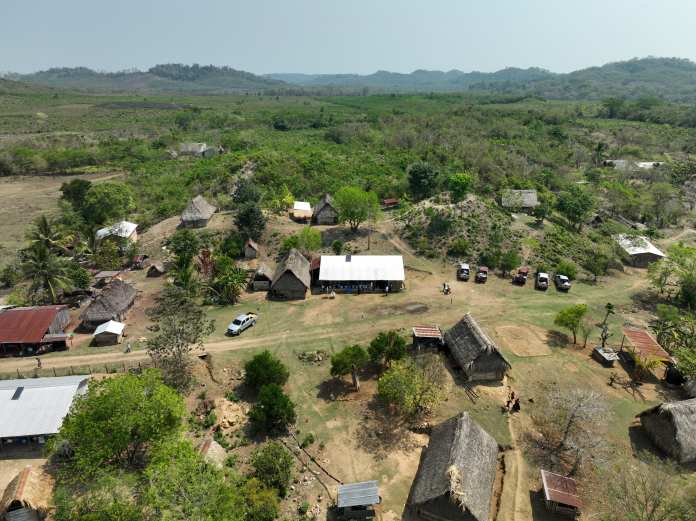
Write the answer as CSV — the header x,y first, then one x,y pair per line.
x,y
463,271
482,275
521,276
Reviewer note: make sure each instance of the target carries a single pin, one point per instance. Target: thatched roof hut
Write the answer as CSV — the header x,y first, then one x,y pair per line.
x,y
292,278
672,427
213,452
262,278
325,212
111,304
475,352
197,213
456,472
27,495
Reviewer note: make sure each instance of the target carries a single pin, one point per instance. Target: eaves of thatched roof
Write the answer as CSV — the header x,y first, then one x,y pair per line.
x,y
296,264
470,347
198,209
32,488
460,464
116,298
326,200
672,425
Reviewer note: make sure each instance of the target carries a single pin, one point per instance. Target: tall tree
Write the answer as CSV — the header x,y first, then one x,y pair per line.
x,y
250,221
571,318
75,191
423,179
387,347
47,272
355,206
575,204
107,201
349,360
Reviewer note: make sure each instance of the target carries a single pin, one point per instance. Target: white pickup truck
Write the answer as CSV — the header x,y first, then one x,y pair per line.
x,y
241,323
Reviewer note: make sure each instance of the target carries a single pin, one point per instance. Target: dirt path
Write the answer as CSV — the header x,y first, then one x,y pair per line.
x,y
357,332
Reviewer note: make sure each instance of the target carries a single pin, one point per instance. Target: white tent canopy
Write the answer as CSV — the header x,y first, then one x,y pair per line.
x,y
345,268
111,326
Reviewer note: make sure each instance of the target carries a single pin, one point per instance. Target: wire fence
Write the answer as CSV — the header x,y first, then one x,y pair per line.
x,y
106,368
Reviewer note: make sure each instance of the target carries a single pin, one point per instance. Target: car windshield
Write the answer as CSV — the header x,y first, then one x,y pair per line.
x,y
236,322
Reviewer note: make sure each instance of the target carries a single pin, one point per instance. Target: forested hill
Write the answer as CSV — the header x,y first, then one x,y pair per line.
x,y
160,78
670,78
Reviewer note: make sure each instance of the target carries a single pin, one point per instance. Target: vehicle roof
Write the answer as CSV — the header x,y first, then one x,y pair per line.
x,y
542,274
561,276
463,265
483,268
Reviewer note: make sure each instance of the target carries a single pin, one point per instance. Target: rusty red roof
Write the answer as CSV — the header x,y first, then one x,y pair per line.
x,y
561,489
27,325
645,344
427,332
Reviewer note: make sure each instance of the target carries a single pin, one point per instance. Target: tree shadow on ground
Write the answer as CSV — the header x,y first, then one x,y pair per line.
x,y
334,389
557,339
342,233
539,512
381,431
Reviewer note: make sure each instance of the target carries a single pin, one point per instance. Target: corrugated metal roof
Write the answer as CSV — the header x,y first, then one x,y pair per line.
x,y
26,325
427,332
637,245
358,494
645,344
336,268
41,405
560,489
111,326
123,229
302,205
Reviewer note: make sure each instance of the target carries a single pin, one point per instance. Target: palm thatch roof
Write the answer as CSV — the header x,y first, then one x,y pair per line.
x,y
213,452
115,300
296,264
672,427
32,488
460,465
263,272
198,210
472,349
326,200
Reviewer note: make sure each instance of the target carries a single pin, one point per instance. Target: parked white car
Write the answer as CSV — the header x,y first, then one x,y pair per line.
x,y
241,323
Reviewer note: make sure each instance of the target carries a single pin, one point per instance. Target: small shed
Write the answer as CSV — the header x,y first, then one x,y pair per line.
x,y
561,494
105,277
672,428
28,496
523,199
640,251
474,352
355,499
301,211
390,204
213,452
122,230
292,279
251,249
111,304
262,278
456,472
428,336
325,212
156,269
197,213
109,333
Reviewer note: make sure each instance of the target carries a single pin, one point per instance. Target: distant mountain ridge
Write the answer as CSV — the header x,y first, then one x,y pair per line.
x,y
672,79
170,77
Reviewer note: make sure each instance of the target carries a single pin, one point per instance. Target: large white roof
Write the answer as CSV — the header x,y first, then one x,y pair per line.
x,y
638,245
336,268
111,326
39,407
122,229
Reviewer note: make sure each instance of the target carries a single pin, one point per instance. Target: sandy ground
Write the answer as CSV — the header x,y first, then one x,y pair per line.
x,y
524,340
14,459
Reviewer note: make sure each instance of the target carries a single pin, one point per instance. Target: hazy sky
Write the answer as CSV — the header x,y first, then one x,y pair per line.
x,y
323,36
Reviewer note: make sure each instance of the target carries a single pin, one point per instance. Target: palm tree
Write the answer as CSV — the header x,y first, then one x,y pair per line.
x,y
46,271
44,233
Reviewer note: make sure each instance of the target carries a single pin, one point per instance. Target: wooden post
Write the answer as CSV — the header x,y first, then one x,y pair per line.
x,y
18,375
54,371
71,371
90,369
106,369
124,367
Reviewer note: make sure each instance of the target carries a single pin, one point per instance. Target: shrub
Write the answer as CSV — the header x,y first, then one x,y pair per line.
x,y
273,466
459,247
307,440
337,247
274,411
567,268
263,369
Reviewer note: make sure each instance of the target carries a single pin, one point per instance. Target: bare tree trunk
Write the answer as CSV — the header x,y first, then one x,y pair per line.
x,y
356,380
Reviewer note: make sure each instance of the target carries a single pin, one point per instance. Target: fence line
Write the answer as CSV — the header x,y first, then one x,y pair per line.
x,y
108,368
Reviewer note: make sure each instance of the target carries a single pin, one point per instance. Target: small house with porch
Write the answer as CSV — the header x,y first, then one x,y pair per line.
x,y
109,333
301,211
125,230
354,500
31,330
325,212
474,352
639,250
456,473
291,280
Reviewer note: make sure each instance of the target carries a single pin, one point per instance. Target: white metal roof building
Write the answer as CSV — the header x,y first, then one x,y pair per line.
x,y
37,406
639,249
369,268
358,494
302,206
123,229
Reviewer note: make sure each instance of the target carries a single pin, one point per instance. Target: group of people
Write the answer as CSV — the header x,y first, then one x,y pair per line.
x,y
512,404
